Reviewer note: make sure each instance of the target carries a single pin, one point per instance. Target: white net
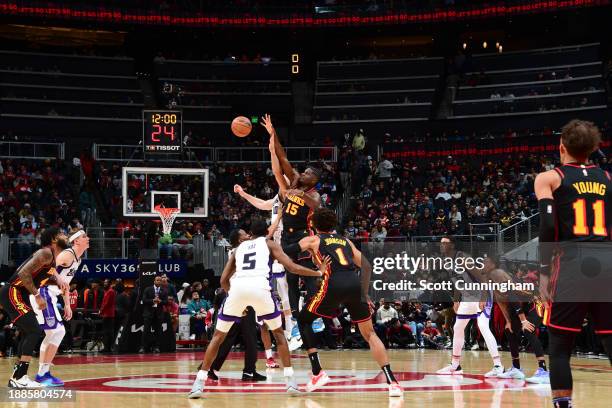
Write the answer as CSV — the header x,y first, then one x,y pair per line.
x,y
167,215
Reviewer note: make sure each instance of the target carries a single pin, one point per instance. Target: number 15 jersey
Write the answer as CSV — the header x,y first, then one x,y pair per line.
x,y
583,203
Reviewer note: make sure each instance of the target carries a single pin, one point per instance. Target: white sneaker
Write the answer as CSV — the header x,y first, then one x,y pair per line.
x,y
513,373
317,381
541,376
196,390
395,390
295,343
23,382
292,387
475,347
495,372
450,370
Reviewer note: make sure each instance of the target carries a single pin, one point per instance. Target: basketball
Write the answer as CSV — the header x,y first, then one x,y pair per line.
x,y
241,126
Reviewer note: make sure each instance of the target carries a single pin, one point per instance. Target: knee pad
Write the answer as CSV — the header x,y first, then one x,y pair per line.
x,y
54,336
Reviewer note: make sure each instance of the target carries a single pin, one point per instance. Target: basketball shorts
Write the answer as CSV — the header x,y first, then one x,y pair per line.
x,y
278,270
244,294
344,288
468,310
49,318
580,285
15,302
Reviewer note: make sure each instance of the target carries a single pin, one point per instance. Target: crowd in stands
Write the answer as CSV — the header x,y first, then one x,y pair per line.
x,y
445,196
35,195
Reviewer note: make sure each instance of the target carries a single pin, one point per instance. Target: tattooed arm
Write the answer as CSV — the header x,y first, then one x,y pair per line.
x,y
41,258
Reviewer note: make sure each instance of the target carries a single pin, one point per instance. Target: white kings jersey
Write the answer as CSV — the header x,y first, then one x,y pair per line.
x,y
253,264
68,272
276,207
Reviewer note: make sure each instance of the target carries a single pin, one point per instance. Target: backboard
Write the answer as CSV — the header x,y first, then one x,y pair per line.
x,y
145,187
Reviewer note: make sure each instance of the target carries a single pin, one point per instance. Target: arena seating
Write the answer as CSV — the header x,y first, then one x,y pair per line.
x,y
376,90
535,81
43,89
212,91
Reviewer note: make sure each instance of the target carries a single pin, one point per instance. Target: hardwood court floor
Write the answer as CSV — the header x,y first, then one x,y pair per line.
x,y
163,380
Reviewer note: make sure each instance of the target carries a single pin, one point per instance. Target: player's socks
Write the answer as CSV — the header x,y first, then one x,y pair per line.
x,y
386,369
516,363
268,353
562,402
201,375
288,371
497,361
542,364
43,368
314,362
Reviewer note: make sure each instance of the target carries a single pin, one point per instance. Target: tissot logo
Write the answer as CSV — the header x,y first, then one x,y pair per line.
x,y
164,148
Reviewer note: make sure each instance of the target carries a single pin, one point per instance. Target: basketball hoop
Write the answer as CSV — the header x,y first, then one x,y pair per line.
x,y
167,216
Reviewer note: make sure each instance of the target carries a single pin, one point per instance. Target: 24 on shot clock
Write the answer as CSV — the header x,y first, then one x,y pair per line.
x,y
162,131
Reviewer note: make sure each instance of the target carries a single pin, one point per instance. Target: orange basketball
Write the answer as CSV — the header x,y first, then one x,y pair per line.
x,y
241,126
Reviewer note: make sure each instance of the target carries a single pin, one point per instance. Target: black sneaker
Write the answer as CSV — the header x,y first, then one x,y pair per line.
x,y
214,377
254,376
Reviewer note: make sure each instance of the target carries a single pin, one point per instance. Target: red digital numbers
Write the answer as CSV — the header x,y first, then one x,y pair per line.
x,y
156,132
167,131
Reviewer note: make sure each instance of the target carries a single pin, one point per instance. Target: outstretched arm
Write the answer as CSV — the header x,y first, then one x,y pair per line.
x,y
281,180
278,254
258,203
266,121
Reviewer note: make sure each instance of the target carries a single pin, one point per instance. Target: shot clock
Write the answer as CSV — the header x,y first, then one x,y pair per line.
x,y
162,131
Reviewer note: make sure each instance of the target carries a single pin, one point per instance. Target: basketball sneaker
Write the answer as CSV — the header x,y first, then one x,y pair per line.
x,y
254,376
513,373
271,363
212,375
23,382
495,372
47,380
395,390
541,376
292,387
317,381
197,390
318,326
449,369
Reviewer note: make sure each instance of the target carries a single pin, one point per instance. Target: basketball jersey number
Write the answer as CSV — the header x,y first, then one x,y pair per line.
x,y
291,209
248,262
580,217
341,257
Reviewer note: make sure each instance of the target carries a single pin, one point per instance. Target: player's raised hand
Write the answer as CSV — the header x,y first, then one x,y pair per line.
x,y
238,189
266,121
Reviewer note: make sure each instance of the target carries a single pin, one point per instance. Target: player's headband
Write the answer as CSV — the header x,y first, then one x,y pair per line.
x,y
75,236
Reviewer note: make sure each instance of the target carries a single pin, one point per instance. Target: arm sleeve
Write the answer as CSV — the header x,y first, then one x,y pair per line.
x,y
547,233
